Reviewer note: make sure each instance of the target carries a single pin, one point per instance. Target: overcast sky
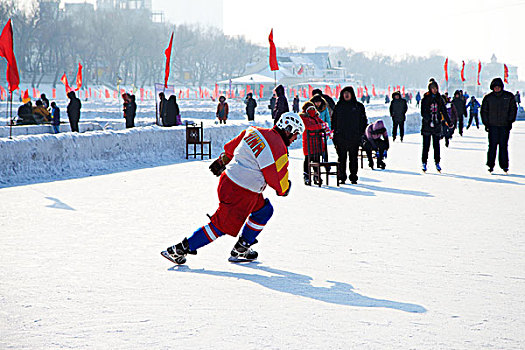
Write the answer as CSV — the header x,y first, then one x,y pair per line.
x,y
466,29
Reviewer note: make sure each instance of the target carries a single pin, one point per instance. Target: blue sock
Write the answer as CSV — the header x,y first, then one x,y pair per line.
x,y
203,236
256,222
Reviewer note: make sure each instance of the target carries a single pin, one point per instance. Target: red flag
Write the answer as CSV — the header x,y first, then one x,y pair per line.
x,y
373,90
35,94
187,93
273,53
66,84
463,71
446,69
142,94
107,94
403,90
366,89
388,90
301,70
168,58
25,96
6,51
310,89
2,92
89,92
54,92
79,77
505,74
261,91
479,71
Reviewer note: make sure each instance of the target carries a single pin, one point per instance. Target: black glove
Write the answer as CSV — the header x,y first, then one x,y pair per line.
x,y
287,191
217,167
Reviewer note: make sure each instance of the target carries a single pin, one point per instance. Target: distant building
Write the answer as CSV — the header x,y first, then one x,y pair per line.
x,y
124,4
204,12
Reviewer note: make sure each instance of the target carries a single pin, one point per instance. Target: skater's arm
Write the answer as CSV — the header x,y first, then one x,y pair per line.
x,y
276,175
230,146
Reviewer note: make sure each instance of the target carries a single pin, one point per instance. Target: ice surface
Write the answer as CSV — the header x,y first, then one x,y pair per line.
x,y
403,260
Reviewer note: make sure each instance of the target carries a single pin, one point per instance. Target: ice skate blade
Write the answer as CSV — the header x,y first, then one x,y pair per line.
x,y
167,256
234,259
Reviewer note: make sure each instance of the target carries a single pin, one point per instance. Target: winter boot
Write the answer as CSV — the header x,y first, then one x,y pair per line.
x,y
424,167
178,252
381,165
438,167
371,164
307,179
353,179
242,251
491,169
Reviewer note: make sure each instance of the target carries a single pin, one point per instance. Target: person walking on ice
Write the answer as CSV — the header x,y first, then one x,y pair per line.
x,y
257,157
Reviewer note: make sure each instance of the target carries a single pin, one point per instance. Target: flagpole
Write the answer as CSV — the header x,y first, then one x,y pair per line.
x,y
11,115
275,78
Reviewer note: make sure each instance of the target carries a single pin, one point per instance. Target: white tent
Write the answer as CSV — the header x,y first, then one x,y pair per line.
x,y
248,80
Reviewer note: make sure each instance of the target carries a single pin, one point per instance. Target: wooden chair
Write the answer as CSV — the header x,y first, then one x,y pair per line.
x,y
194,136
363,155
316,143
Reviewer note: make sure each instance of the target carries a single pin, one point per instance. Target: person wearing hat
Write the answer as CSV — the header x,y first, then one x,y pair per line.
x,y
433,112
398,110
222,110
498,112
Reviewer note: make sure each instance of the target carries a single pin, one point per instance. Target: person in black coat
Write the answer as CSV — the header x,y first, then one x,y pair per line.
x,y
172,112
251,104
433,112
45,101
398,110
459,103
163,111
498,112
131,112
295,104
281,104
348,123
73,111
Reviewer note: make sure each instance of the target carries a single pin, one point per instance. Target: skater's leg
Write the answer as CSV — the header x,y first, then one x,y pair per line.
x,y
435,143
426,148
256,222
493,145
503,143
203,236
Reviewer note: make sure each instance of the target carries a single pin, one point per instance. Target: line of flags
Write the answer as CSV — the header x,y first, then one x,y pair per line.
x,y
78,80
505,72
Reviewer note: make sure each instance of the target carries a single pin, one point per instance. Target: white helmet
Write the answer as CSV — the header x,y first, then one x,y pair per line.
x,y
291,122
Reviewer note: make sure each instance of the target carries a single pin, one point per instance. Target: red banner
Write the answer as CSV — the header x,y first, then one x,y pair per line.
x,y
66,84
463,71
373,90
273,53
167,52
54,93
505,74
79,77
6,51
261,91
479,71
445,67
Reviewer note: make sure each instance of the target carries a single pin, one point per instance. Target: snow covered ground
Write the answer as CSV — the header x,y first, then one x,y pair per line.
x,y
403,260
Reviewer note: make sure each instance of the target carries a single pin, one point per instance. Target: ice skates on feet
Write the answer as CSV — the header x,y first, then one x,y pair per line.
x,y
242,252
177,253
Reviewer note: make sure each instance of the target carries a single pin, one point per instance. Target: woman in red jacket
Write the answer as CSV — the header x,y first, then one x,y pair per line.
x,y
222,110
312,122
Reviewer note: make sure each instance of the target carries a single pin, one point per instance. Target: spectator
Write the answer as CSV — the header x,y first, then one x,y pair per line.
x,y
376,139
418,99
312,122
348,123
363,99
25,114
131,112
251,104
433,111
330,102
459,104
163,108
222,110
474,108
367,99
322,107
45,101
73,111
295,104
172,111
40,113
271,106
281,104
498,112
398,110
55,117
387,99
518,98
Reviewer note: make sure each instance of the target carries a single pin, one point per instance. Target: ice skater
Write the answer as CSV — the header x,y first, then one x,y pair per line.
x,y
257,157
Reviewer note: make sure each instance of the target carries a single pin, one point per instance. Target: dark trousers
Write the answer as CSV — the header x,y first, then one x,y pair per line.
x,y
130,122
473,116
460,125
498,136
250,116
74,125
348,150
426,148
401,125
380,147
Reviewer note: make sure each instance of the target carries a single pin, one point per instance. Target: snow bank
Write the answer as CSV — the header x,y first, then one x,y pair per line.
x,y
48,156
19,130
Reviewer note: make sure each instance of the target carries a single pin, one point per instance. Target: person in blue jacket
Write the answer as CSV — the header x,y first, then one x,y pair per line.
x,y
55,117
473,111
